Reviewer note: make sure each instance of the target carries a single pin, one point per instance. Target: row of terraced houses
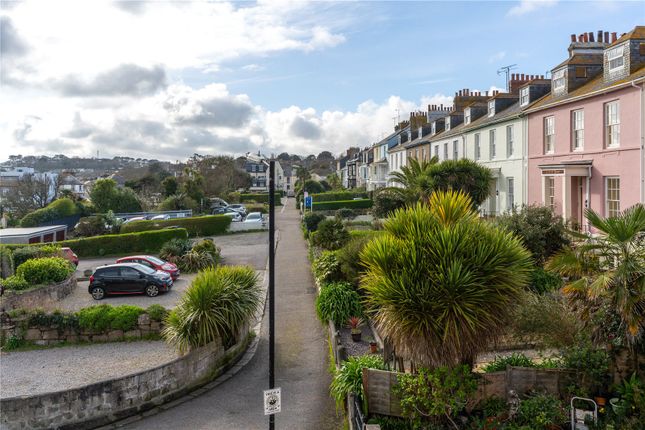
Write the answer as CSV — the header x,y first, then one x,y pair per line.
x,y
570,142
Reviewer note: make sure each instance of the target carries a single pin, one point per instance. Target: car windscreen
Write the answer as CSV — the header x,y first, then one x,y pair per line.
x,y
145,269
155,260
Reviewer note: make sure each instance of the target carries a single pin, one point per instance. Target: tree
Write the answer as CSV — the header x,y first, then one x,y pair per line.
x,y
463,175
437,295
302,175
32,191
192,184
169,186
325,155
606,277
221,175
178,202
106,196
415,180
334,181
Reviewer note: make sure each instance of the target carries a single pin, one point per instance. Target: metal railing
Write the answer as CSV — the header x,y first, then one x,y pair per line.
x,y
358,421
172,214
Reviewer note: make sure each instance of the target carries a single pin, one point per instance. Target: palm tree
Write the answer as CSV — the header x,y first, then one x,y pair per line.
x,y
440,282
415,180
606,274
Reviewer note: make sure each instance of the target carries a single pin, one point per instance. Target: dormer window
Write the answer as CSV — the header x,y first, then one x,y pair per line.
x,y
524,96
447,123
467,116
433,128
615,59
558,80
491,108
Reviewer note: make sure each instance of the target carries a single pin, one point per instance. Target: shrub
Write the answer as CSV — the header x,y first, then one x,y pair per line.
x,y
207,246
312,220
124,317
6,262
337,302
349,378
345,213
22,254
349,260
95,318
209,225
336,196
14,283
174,249
326,268
60,208
91,226
591,365
58,319
194,261
178,202
339,204
331,234
541,410
157,312
49,270
261,198
257,207
386,202
215,306
515,359
543,281
541,231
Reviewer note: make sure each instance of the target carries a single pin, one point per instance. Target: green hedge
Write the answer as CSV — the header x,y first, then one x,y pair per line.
x,y
60,208
337,196
350,204
209,225
49,270
260,198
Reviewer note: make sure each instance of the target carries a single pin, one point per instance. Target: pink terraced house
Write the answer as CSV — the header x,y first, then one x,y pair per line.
x,y
585,138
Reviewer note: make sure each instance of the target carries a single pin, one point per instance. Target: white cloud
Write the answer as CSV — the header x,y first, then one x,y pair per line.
x,y
253,68
528,6
498,56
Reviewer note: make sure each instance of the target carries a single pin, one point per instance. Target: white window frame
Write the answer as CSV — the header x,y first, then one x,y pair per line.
x,y
510,193
445,150
423,153
612,124
615,187
549,134
492,144
491,108
524,96
467,116
420,132
549,192
455,150
433,128
447,124
436,151
559,79
510,137
613,56
578,130
478,148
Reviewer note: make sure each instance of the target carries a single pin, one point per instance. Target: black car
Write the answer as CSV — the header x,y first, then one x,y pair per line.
x,y
128,278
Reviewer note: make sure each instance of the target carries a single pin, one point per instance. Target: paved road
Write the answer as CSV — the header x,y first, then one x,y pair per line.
x,y
301,360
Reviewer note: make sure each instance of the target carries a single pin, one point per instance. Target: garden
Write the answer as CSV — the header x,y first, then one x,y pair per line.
x,y
485,324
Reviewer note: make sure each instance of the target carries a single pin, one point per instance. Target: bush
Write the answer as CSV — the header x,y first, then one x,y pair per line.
x,y
124,317
257,207
261,198
349,378
194,261
157,312
91,226
338,195
178,203
6,262
207,246
515,359
348,257
337,302
386,202
326,268
331,234
49,270
541,231
345,213
209,225
22,254
95,318
57,209
215,306
174,249
312,220
14,283
339,204
544,282
591,365
541,410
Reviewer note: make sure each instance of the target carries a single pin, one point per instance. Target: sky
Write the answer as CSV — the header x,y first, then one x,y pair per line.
x,y
167,79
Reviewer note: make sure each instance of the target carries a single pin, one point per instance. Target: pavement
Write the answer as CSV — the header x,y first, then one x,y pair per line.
x,y
301,360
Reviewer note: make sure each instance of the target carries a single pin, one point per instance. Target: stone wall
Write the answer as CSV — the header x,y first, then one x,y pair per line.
x,y
47,335
107,401
39,297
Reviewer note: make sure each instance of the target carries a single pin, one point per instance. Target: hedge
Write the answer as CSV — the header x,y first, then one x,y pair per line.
x,y
260,198
60,208
49,270
350,204
337,196
209,225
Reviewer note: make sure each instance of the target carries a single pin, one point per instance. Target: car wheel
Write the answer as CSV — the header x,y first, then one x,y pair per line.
x,y
152,290
98,293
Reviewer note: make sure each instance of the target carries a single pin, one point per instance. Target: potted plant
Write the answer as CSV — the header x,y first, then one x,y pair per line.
x,y
373,344
355,324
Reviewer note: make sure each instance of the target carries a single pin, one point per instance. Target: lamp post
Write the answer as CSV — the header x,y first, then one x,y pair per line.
x,y
271,283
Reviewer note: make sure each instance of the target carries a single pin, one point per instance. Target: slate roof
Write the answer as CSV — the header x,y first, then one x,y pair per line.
x,y
637,33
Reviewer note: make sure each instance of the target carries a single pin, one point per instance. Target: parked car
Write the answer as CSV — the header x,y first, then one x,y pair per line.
x,y
136,218
128,278
255,218
236,216
160,217
153,263
238,208
69,255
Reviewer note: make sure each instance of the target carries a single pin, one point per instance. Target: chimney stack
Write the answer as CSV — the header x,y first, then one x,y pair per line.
x,y
573,37
591,37
600,36
613,37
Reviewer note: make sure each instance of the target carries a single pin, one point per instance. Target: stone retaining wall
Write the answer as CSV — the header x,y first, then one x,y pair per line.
x,y
47,335
111,400
39,297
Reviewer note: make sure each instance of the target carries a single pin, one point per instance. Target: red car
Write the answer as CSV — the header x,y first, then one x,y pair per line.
x,y
153,263
69,255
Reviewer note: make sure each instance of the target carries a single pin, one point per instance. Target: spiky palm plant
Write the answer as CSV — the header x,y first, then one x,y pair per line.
x,y
414,179
440,282
218,302
606,274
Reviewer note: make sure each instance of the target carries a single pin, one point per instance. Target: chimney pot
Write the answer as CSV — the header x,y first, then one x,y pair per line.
x,y
613,37
591,37
586,36
573,37
606,38
600,36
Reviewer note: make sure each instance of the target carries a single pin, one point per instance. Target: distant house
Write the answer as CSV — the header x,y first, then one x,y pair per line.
x,y
10,178
71,183
45,234
289,180
259,171
120,180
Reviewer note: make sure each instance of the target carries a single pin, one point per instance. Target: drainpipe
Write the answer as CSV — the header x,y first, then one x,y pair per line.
x,y
642,142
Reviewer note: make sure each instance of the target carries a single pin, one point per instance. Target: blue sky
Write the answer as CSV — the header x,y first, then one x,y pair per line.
x,y
167,79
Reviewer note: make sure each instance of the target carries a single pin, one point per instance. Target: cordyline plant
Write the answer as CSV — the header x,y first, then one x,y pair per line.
x,y
606,274
440,282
